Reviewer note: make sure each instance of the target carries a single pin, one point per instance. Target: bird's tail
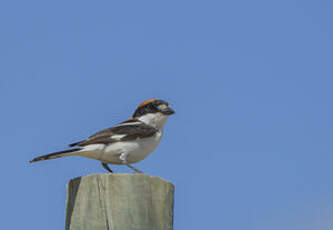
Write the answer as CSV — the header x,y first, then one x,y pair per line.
x,y
55,155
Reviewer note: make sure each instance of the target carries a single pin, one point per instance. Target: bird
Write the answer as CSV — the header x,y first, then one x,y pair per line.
x,y
125,143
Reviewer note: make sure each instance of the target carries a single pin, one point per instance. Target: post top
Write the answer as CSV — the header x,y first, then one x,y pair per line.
x,y
138,176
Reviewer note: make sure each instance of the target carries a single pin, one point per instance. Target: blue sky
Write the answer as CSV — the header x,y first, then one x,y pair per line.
x,y
250,146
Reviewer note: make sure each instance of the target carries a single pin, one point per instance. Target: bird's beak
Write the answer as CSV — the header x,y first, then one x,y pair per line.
x,y
168,111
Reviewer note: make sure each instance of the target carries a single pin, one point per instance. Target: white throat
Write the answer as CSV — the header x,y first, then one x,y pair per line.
x,y
157,120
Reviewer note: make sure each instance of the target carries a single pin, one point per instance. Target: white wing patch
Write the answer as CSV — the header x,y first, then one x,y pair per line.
x,y
118,136
128,123
93,147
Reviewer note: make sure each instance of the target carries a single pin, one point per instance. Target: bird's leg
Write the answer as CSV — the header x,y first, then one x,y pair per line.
x,y
123,158
105,165
136,170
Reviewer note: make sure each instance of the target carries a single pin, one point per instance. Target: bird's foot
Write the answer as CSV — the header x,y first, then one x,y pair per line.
x,y
131,167
107,167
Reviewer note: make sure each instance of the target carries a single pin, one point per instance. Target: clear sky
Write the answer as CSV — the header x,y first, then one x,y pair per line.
x,y
250,146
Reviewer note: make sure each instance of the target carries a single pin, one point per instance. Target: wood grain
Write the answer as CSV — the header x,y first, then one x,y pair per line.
x,y
119,202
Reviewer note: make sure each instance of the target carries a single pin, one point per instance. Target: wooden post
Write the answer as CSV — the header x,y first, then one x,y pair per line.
x,y
119,202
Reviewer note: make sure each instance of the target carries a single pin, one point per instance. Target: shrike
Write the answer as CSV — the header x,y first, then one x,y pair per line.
x,y
126,143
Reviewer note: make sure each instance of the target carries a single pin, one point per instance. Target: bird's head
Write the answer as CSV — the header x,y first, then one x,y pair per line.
x,y
153,112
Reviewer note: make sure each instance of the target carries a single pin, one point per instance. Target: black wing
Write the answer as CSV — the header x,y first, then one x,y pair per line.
x,y
124,132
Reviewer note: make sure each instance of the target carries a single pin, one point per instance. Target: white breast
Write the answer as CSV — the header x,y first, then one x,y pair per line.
x,y
145,147
115,153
